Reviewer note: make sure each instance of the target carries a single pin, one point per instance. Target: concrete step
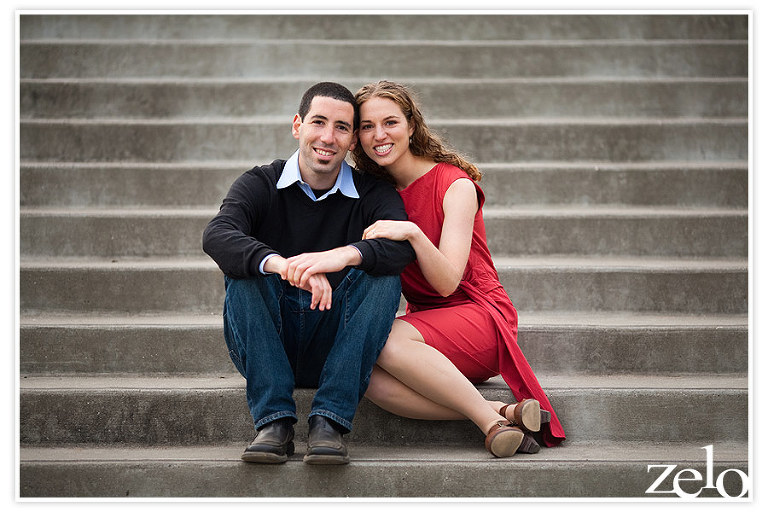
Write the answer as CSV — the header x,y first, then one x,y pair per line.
x,y
573,470
111,233
196,285
144,410
388,26
128,233
625,284
340,60
617,231
440,99
586,343
195,184
500,140
644,183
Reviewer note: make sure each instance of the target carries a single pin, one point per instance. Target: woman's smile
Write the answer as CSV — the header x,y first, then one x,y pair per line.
x,y
383,149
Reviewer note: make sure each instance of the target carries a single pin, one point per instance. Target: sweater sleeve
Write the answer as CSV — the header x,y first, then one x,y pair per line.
x,y
380,255
228,237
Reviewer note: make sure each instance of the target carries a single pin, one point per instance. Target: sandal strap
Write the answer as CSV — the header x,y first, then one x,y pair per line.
x,y
503,412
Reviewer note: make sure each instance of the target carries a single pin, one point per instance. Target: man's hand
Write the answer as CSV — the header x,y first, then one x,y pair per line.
x,y
308,271
322,293
300,268
316,284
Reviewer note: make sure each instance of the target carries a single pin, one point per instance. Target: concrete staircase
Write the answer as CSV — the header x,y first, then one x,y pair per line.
x,y
615,158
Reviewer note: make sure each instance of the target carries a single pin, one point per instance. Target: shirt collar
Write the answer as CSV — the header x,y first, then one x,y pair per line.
x,y
345,183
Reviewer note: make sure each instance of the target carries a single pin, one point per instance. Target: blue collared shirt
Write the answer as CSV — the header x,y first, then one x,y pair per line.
x,y
344,181
291,174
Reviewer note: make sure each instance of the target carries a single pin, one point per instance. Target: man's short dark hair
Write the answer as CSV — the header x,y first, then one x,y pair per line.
x,y
329,90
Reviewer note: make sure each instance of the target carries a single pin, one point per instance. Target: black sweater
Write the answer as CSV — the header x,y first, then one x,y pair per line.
x,y
256,219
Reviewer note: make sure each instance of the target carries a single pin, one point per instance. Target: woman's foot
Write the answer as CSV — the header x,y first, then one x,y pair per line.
x,y
525,414
503,439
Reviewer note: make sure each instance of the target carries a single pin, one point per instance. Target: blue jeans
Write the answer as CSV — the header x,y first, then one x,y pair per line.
x,y
277,343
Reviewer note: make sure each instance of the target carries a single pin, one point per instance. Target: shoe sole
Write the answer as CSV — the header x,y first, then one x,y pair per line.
x,y
506,442
326,459
530,416
268,457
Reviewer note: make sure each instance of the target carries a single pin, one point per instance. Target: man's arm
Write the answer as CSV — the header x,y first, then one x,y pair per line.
x,y
227,238
382,256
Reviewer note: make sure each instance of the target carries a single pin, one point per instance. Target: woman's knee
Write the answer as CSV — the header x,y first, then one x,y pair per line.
x,y
398,345
378,388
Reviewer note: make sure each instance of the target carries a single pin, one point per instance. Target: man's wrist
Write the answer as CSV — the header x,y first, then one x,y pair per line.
x,y
272,264
355,255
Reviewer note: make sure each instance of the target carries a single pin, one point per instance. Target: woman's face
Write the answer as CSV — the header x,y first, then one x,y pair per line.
x,y
384,131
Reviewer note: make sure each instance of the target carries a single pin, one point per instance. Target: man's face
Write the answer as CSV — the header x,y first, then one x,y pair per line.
x,y
325,135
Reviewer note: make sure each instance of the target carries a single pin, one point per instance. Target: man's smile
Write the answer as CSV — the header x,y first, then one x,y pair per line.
x,y
324,152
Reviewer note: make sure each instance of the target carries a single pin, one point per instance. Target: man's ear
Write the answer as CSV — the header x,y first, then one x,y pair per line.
x,y
295,126
354,141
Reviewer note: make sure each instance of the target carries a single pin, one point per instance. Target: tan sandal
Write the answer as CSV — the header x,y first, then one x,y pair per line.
x,y
503,439
526,414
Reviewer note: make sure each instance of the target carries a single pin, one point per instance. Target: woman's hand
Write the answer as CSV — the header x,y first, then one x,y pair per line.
x,y
392,230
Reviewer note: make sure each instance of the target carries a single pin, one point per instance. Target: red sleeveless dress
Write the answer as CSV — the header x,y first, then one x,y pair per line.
x,y
476,326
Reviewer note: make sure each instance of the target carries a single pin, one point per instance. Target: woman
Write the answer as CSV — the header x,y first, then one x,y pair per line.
x,y
460,327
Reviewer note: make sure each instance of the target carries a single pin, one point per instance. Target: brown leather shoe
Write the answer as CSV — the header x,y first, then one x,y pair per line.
x,y
526,414
325,444
503,439
272,445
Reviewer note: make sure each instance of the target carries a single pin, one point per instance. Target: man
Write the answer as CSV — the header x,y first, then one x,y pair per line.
x,y
308,303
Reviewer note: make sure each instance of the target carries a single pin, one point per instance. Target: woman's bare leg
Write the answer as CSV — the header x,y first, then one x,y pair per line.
x,y
392,395
430,375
